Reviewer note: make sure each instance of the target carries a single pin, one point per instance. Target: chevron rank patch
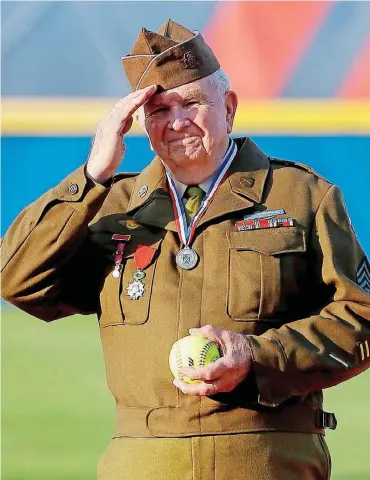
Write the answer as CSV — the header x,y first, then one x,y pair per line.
x,y
363,275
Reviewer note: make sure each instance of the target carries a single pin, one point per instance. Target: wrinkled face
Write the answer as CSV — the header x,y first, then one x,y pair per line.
x,y
188,127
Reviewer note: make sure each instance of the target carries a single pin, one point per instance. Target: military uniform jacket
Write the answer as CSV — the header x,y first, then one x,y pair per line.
x,y
300,293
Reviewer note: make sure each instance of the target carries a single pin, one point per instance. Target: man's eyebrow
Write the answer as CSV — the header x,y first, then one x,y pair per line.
x,y
154,102
195,94
198,94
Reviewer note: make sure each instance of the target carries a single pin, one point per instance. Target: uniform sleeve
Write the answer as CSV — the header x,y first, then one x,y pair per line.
x,y
333,345
48,266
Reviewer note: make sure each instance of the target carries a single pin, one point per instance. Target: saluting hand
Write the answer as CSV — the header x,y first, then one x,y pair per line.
x,y
225,373
108,147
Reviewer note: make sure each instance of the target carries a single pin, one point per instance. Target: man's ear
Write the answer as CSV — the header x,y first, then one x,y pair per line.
x,y
231,104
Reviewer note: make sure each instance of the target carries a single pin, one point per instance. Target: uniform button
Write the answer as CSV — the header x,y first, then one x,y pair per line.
x,y
73,188
246,181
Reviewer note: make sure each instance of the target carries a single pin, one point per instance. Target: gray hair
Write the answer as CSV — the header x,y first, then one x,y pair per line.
x,y
218,80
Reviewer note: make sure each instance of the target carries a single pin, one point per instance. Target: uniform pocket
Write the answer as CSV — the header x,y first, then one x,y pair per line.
x,y
259,262
118,304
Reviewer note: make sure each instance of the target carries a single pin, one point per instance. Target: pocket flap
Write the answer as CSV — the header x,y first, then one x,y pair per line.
x,y
270,241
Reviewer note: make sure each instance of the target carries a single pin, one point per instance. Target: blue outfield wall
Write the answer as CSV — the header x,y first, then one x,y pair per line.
x,y
32,165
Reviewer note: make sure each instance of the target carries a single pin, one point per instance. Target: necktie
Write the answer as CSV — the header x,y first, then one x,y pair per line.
x,y
194,196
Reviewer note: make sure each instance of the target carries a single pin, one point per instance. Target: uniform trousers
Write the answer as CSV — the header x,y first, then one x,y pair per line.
x,y
257,456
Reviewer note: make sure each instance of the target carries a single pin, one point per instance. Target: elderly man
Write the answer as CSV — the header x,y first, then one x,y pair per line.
x,y
252,252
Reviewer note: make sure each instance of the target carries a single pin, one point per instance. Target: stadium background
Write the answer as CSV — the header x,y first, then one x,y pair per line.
x,y
302,72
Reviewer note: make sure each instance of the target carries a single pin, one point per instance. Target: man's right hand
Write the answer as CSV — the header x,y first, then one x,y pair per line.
x,y
108,148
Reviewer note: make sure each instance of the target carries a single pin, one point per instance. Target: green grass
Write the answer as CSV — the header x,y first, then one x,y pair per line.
x,y
58,415
57,412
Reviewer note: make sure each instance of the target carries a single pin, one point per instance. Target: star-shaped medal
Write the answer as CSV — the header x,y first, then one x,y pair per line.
x,y
135,290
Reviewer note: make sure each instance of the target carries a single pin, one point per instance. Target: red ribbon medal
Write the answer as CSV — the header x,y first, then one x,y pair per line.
x,y
143,257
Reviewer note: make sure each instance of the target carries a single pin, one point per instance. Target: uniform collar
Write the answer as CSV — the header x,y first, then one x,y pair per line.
x,y
151,180
249,170
151,204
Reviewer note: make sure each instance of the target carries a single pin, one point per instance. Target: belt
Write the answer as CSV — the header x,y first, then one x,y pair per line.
x,y
188,421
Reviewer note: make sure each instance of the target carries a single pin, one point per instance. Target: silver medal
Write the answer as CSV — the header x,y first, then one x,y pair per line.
x,y
187,258
136,289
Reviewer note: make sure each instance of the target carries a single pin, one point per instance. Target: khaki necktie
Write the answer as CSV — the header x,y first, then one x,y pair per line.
x,y
194,196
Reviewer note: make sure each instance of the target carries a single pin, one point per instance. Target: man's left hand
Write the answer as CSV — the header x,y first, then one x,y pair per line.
x,y
225,373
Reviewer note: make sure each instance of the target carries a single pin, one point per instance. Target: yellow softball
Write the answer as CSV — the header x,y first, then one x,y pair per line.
x,y
192,351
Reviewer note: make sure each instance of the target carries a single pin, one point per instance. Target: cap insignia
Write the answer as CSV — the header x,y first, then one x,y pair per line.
x,y
190,60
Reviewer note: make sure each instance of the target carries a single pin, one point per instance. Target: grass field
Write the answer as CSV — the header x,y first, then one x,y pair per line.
x,y
58,416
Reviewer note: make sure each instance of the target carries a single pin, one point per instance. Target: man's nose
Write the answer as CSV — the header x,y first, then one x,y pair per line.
x,y
179,120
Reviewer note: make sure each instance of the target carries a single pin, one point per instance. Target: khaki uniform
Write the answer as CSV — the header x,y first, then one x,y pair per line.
x,y
297,292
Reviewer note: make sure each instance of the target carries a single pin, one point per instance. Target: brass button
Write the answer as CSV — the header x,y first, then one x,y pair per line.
x,y
73,188
246,181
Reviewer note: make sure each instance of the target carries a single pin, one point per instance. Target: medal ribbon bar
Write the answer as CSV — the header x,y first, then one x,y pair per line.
x,y
262,223
118,255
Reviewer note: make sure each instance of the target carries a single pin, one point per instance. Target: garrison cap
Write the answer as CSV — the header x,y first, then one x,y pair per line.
x,y
171,57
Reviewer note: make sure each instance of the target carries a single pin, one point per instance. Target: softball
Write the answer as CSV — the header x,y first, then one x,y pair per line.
x,y
192,351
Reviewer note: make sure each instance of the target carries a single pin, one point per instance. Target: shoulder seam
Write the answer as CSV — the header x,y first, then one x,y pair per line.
x,y
121,175
332,186
302,166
